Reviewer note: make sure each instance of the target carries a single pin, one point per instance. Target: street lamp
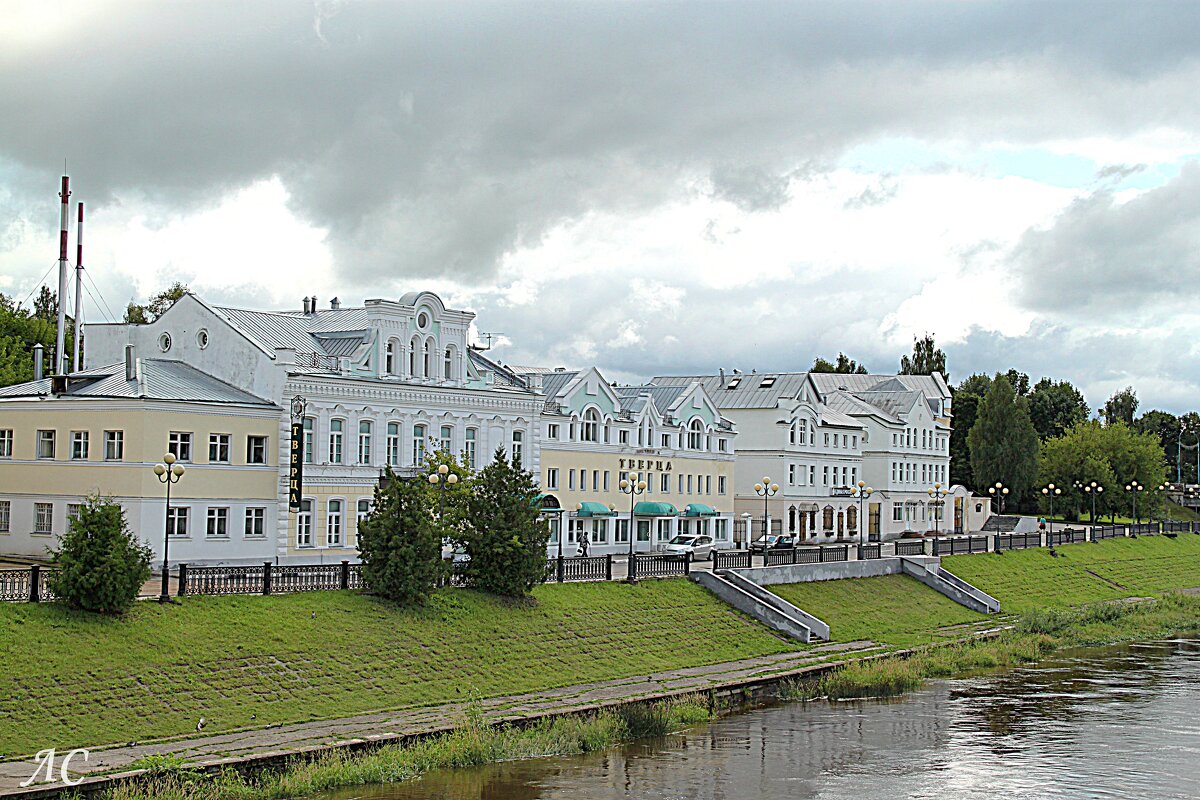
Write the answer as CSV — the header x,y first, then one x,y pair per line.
x,y
766,490
1094,489
1133,487
632,488
444,478
1051,491
1162,487
999,491
862,492
937,502
168,473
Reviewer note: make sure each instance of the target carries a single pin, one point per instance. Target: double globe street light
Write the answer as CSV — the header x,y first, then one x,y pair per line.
x,y
862,492
442,478
766,490
168,472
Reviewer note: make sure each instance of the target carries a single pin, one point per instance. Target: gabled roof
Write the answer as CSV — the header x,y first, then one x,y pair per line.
x,y
853,406
333,332
743,390
665,398
504,375
930,386
156,380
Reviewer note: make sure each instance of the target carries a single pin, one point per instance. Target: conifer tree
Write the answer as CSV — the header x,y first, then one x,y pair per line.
x,y
504,537
101,566
399,542
1003,441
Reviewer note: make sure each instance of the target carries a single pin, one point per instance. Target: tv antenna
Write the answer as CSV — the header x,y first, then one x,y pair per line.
x,y
488,338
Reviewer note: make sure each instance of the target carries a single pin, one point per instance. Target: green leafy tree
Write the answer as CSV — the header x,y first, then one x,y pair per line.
x,y
1121,407
20,330
926,359
1113,456
1019,381
966,409
976,384
45,305
844,365
449,504
156,306
505,538
1055,407
1003,441
399,541
101,566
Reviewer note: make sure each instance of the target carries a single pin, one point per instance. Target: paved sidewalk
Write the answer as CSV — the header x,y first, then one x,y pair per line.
x,y
207,750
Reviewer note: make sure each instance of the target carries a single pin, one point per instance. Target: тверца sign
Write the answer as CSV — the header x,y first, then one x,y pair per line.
x,y
296,467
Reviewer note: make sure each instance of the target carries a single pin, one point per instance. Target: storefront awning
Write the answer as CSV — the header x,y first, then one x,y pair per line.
x,y
647,509
699,510
548,504
594,510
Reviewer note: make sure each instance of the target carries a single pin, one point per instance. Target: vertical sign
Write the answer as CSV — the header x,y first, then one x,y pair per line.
x,y
296,467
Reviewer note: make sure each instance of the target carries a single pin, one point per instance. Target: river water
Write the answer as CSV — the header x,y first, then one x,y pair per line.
x,y
1103,723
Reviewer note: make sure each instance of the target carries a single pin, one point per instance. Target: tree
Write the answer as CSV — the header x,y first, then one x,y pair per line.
x,y
926,359
1019,381
1114,456
505,538
448,504
1003,441
101,566
966,409
1121,407
399,542
45,305
845,365
976,384
19,332
1055,407
156,306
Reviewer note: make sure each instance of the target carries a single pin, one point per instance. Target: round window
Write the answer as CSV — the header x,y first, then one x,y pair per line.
x,y
422,320
164,342
202,338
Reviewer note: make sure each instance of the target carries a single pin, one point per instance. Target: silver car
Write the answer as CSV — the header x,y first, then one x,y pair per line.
x,y
700,546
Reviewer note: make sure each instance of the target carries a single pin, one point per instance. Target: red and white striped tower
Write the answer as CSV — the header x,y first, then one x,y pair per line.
x,y
78,291
60,356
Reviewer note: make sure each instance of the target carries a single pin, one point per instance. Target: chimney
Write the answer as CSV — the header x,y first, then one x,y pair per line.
x,y
335,304
39,355
312,309
722,376
61,364
306,305
130,363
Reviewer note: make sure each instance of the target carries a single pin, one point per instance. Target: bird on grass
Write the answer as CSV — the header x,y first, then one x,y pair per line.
x,y
314,615
200,725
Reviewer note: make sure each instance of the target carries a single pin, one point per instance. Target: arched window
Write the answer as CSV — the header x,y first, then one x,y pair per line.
x,y
591,425
852,519
827,519
447,438
470,448
448,364
413,360
336,430
428,353
696,435
518,447
389,361
802,433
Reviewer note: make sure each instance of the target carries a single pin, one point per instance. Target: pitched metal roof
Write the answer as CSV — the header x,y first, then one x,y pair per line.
x,y
854,406
504,375
664,397
743,390
930,386
299,331
156,380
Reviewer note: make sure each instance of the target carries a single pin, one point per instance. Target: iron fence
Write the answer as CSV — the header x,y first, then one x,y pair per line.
x,y
730,559
1143,529
1066,536
1107,532
960,545
269,578
579,568
1177,527
1015,541
870,551
26,585
910,547
659,565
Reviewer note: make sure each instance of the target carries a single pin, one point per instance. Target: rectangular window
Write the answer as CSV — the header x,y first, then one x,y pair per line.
x,y
79,445
827,440
336,432
43,518
722,530
45,444
571,480
6,443
393,444
179,444
73,512
552,431
470,447
552,478
623,437
518,443
897,513
722,445
664,530
364,442
666,440
114,445
606,475
304,524
218,448
681,484
256,523
791,474
824,476
364,511
720,484
622,535
665,483
218,523
333,524
595,480
447,438
812,475
5,515
256,449
309,426
177,521
600,531
708,484
689,484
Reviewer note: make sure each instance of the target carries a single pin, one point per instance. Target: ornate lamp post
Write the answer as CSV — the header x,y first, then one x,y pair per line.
x,y
862,492
1133,487
766,490
1162,487
937,501
444,478
1051,491
632,488
168,473
999,491
1094,489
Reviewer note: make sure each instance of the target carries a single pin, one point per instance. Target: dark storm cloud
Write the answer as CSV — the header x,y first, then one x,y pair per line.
x,y
433,138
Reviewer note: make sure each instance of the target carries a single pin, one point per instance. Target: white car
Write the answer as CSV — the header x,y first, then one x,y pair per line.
x,y
701,546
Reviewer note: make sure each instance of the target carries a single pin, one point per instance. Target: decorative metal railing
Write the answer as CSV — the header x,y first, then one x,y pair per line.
x,y
960,545
872,550
579,568
659,565
731,559
1108,532
1066,536
26,584
910,547
1015,541
1143,529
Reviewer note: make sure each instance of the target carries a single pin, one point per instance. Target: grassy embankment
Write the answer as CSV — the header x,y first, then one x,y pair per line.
x,y
72,680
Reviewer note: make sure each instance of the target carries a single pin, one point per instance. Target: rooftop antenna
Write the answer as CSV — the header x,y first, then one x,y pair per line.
x,y
79,291
489,338
60,357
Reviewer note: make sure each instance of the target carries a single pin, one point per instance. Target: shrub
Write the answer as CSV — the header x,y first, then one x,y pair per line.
x,y
503,536
101,566
399,543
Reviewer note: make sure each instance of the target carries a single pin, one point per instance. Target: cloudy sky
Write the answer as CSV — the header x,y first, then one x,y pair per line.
x,y
648,187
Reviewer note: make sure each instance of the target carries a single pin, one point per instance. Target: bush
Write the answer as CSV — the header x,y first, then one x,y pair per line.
x,y
399,544
101,566
503,536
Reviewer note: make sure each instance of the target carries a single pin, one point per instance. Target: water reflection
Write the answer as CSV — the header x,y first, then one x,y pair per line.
x,y
1117,723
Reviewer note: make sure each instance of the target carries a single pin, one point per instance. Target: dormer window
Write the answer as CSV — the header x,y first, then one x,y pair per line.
x,y
767,382
733,384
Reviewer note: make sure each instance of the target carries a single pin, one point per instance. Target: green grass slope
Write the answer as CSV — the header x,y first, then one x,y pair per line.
x,y
892,609
73,680
1024,580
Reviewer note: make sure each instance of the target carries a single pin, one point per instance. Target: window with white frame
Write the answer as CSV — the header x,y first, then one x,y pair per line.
x,y
256,523
5,515
177,520
470,446
623,437
393,444
45,444
517,447
606,474
218,523
720,484
665,483
595,480
897,512
708,484
418,445
666,440
552,431
696,435
447,439
389,357
722,445
552,478
114,445
364,441
6,443
333,524
364,511
622,533
43,518
256,449
74,510
827,440
179,444
721,530
337,431
218,448
79,445
791,474
309,426
570,480
824,476
591,425
304,523
448,364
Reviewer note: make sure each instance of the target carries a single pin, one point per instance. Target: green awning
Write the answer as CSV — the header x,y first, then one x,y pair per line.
x,y
646,509
699,510
594,510
548,503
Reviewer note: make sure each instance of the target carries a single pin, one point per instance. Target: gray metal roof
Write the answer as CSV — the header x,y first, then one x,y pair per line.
x,y
664,397
295,330
930,386
157,380
553,383
853,406
504,375
748,390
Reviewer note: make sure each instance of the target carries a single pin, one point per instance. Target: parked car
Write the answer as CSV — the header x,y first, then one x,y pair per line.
x,y
772,542
700,546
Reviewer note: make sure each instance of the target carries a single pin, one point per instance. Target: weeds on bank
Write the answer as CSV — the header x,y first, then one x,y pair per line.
x,y
474,743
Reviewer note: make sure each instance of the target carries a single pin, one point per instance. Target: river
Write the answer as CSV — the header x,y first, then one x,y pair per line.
x,y
1103,723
